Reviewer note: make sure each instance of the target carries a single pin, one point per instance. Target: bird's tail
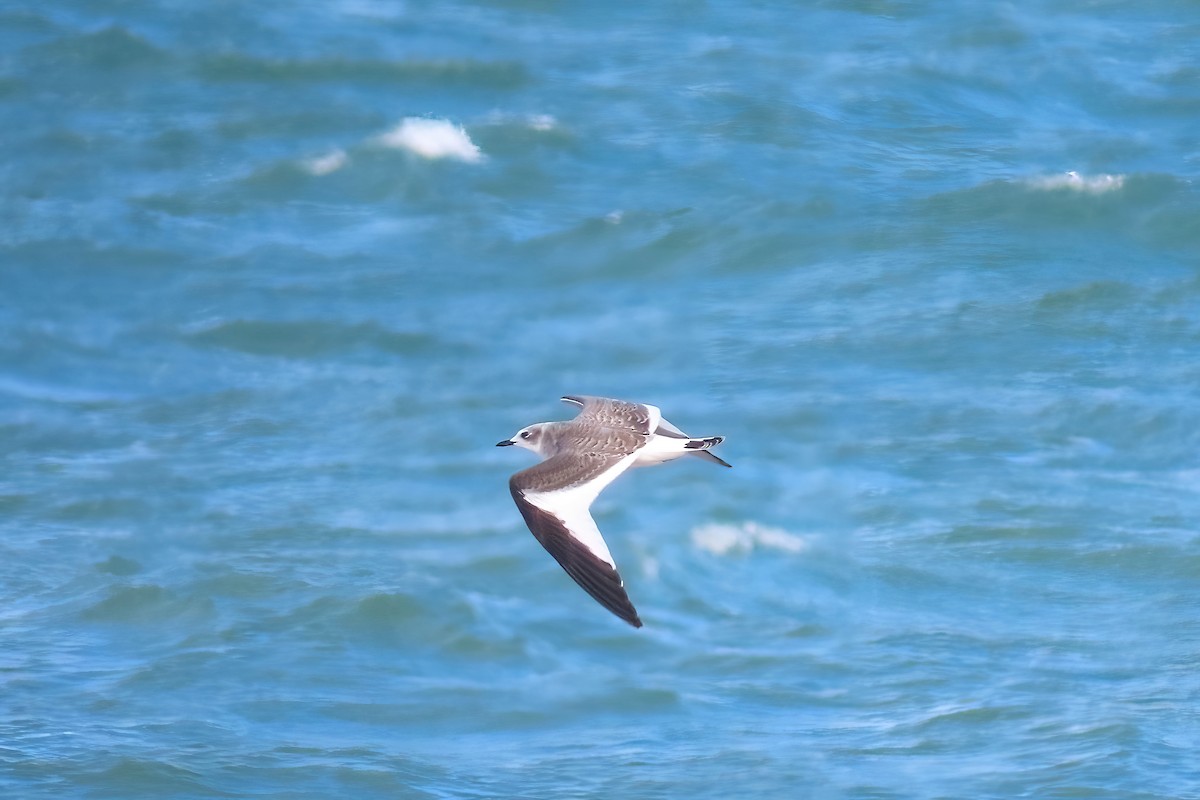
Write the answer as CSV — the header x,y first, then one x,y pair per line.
x,y
700,447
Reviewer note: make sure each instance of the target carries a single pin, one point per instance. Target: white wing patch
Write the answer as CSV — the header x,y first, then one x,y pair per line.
x,y
571,506
655,416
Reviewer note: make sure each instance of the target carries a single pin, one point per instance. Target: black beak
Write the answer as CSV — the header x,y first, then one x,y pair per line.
x,y
505,443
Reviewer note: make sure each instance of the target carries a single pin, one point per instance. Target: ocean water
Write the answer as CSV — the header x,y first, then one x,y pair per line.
x,y
275,277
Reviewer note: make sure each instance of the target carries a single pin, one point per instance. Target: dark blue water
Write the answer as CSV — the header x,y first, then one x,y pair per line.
x,y
274,280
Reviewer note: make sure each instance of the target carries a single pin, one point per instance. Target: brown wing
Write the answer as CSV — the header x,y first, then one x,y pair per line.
x,y
612,413
595,576
589,454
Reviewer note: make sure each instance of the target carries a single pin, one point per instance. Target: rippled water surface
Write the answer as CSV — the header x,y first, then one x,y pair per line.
x,y
275,278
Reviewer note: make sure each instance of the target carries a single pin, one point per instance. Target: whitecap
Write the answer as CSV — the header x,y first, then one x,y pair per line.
x,y
324,165
1094,184
432,138
542,122
535,122
722,539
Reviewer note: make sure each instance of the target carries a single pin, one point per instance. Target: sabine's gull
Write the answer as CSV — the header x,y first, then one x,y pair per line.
x,y
580,458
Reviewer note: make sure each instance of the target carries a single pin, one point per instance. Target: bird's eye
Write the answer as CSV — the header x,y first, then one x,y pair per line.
x,y
525,434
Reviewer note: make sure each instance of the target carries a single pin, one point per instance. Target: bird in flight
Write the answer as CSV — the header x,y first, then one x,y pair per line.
x,y
580,457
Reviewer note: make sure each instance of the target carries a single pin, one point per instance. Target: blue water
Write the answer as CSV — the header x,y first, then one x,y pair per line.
x,y
275,279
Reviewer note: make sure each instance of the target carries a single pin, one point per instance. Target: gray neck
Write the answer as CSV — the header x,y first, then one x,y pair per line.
x,y
552,437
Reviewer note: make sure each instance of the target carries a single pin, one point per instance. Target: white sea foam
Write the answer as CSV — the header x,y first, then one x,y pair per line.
x,y
330,162
721,539
542,122
536,122
432,138
1094,184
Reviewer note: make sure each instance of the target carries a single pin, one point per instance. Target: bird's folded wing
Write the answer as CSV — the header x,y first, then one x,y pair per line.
x,y
638,417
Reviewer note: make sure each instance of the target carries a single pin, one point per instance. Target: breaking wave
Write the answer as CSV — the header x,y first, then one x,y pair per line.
x,y
1094,184
432,138
722,539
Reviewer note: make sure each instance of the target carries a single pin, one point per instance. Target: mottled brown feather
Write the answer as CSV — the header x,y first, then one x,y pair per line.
x,y
612,413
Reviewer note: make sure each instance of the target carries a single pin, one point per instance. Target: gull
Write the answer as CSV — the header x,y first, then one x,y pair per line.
x,y
581,457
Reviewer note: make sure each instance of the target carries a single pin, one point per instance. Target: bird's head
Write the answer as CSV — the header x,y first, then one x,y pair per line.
x,y
531,438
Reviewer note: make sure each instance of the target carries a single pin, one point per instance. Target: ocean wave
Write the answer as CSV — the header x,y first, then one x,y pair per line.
x,y
103,51
1072,199
55,393
484,74
325,164
432,139
147,604
535,122
1073,181
429,138
305,338
147,776
722,539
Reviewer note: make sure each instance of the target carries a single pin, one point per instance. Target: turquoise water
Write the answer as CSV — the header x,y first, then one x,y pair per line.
x,y
274,280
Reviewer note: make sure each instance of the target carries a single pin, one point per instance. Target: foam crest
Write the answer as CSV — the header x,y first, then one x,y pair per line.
x,y
324,165
1094,184
534,122
432,138
722,539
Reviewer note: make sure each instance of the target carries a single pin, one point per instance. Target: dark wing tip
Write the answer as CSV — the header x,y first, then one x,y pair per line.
x,y
572,399
593,575
708,455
